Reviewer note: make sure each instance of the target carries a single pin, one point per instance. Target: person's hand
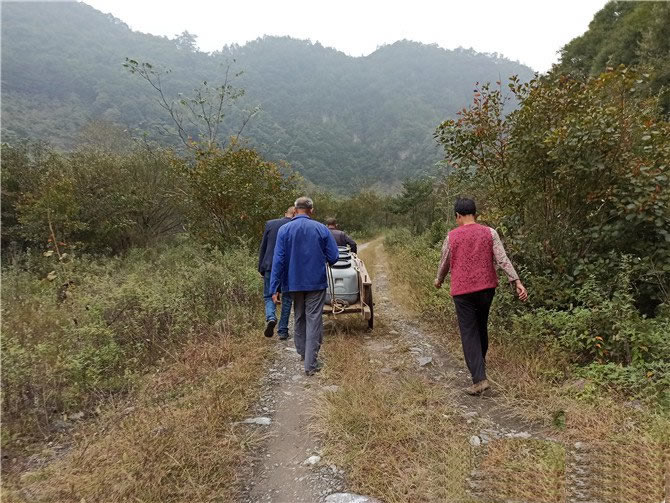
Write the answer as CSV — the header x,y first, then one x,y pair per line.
x,y
521,291
276,298
438,283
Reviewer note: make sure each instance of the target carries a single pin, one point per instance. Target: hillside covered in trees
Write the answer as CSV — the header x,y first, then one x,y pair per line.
x,y
340,121
625,33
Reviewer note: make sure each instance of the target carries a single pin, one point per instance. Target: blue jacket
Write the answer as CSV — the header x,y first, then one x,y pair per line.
x,y
268,244
302,250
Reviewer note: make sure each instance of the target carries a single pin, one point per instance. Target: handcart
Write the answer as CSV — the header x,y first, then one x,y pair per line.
x,y
349,288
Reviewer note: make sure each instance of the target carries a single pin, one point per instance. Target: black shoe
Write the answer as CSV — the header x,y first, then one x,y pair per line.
x,y
270,328
283,337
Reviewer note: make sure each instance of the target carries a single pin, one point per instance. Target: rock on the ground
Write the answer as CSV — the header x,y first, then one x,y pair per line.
x,y
521,434
334,388
312,460
425,360
350,498
264,421
475,441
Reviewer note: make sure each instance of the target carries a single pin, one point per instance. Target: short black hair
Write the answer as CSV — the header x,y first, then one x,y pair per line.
x,y
465,206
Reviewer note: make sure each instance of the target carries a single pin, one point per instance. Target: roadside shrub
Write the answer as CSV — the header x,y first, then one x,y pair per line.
x,y
92,200
575,178
99,324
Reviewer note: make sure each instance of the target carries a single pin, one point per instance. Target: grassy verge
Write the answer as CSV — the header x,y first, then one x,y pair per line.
x,y
395,435
544,385
394,432
155,419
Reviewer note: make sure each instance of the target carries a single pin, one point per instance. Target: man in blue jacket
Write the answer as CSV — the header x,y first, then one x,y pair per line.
x,y
265,267
299,269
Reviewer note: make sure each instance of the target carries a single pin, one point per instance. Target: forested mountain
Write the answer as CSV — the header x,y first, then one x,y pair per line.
x,y
628,33
340,121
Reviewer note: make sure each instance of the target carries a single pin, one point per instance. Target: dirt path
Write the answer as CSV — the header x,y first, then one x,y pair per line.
x,y
283,473
290,469
489,413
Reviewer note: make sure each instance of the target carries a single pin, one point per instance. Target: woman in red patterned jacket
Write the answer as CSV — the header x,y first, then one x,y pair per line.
x,y
471,251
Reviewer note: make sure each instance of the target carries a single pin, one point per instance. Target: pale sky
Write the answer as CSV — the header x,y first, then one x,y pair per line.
x,y
530,31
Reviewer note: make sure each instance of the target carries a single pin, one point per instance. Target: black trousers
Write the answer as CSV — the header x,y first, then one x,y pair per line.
x,y
472,310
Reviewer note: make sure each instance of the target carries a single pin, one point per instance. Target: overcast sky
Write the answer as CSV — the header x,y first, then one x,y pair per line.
x,y
530,31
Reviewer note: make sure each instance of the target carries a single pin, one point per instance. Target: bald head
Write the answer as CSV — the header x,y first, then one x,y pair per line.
x,y
290,212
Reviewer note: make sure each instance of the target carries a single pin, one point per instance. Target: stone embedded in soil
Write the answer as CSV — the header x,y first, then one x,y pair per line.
x,y
350,498
312,460
425,360
263,421
475,441
521,434
333,388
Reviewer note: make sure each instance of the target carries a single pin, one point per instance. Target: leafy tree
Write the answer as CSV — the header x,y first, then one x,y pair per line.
x,y
231,193
577,177
417,201
628,33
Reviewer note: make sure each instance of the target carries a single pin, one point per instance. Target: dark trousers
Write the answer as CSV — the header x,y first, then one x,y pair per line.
x,y
472,310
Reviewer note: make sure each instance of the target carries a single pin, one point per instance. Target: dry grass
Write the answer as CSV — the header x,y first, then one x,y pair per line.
x,y
620,436
178,442
394,434
526,470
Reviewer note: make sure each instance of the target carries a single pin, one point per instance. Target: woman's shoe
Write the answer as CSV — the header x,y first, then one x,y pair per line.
x,y
477,388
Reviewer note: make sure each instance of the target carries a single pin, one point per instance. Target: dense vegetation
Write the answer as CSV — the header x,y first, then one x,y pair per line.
x,y
341,122
576,180
121,254
628,33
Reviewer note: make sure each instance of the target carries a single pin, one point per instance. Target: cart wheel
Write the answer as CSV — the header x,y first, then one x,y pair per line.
x,y
368,301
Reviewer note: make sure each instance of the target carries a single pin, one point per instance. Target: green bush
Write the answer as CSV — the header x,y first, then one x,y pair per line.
x,y
91,200
98,324
575,178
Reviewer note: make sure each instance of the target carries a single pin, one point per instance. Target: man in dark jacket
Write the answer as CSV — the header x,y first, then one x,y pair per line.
x,y
341,238
265,268
299,270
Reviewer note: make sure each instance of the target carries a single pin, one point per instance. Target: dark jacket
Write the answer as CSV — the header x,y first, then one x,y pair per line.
x,y
268,244
343,239
303,248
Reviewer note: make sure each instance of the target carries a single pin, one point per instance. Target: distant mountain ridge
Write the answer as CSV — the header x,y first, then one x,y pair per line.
x,y
342,122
